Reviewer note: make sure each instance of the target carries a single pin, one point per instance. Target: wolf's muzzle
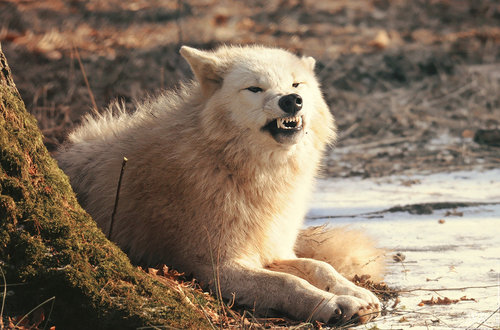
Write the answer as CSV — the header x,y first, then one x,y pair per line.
x,y
291,103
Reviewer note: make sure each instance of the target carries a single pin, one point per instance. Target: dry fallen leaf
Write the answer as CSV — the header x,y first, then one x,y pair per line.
x,y
444,301
381,289
381,40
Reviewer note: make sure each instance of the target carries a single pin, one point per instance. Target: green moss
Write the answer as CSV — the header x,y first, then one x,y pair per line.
x,y
49,244
13,188
10,162
8,207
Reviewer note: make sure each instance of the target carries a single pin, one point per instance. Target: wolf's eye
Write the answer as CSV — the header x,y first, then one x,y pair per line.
x,y
255,89
295,85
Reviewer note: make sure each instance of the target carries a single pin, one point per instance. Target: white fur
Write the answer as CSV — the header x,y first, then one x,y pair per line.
x,y
206,187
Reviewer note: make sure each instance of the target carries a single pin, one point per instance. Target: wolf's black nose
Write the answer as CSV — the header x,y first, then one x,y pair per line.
x,y
291,103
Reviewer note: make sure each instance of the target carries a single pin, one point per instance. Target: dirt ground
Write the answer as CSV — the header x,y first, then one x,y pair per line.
x,y
410,82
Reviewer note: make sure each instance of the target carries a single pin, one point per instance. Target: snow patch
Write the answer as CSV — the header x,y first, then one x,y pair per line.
x,y
463,251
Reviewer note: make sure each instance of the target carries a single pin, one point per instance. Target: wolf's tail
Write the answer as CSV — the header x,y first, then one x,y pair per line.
x,y
350,252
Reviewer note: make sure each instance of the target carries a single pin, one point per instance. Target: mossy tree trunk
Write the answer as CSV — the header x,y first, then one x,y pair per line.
x,y
50,247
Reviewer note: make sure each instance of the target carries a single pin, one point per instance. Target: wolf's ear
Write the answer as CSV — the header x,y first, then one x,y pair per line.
x,y
309,62
205,67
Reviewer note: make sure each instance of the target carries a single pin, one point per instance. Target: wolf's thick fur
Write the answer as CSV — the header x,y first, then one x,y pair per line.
x,y
212,181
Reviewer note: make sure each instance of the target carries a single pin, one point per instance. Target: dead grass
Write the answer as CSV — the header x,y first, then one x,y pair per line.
x,y
427,126
399,75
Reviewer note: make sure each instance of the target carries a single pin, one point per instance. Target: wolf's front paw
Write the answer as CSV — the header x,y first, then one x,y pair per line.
x,y
368,297
350,289
342,310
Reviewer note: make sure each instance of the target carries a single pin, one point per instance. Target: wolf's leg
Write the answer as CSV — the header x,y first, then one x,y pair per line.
x,y
325,277
267,290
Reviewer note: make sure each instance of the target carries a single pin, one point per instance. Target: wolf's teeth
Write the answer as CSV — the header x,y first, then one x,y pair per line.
x,y
280,122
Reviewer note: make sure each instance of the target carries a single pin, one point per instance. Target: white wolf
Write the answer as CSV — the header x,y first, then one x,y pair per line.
x,y
219,175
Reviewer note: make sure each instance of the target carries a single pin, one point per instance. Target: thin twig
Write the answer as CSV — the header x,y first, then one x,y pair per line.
x,y
219,291
50,313
15,284
180,5
451,289
252,316
92,99
456,92
3,298
344,134
315,309
383,142
494,312
124,162
34,309
204,313
156,327
216,280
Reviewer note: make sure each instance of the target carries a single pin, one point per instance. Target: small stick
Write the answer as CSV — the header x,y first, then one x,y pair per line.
x,y
92,99
34,309
3,298
124,162
480,324
450,289
180,6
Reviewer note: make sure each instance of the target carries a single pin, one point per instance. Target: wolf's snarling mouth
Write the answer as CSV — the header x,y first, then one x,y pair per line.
x,y
285,130
289,123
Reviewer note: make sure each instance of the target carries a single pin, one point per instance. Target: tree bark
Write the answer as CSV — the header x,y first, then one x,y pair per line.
x,y
50,247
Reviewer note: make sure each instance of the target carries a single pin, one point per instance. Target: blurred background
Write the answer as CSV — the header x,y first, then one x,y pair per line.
x,y
412,84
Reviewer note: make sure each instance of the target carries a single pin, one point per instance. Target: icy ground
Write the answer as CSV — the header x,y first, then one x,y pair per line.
x,y
455,249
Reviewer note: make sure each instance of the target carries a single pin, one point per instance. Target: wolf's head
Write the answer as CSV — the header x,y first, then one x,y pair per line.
x,y
266,92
